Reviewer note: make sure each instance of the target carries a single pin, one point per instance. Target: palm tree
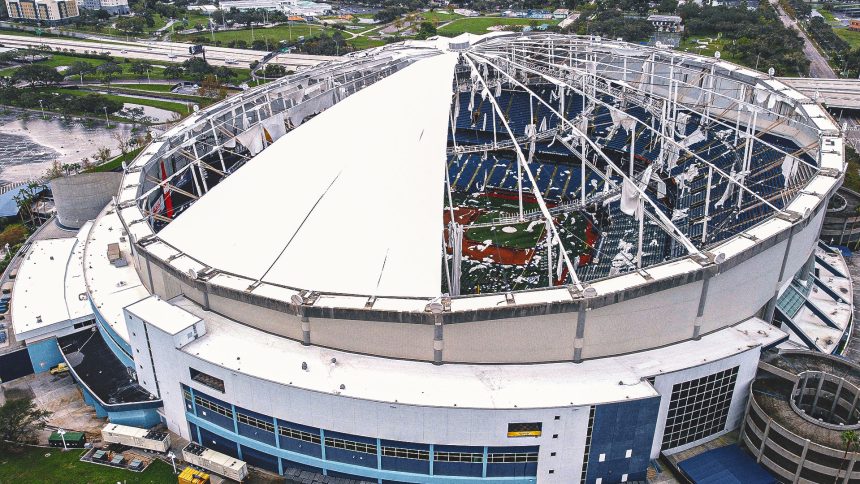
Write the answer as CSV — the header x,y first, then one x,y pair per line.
x,y
851,442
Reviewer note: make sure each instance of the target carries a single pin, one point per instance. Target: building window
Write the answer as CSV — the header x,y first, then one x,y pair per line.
x,y
255,422
699,408
458,457
511,458
350,445
208,380
299,435
219,409
402,453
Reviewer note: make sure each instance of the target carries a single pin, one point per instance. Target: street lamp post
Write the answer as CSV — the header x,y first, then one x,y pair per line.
x,y
63,437
106,117
172,460
42,107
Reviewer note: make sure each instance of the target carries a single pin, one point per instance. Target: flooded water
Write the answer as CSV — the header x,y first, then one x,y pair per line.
x,y
30,144
158,115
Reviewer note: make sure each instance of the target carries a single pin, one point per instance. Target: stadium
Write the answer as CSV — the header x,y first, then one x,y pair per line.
x,y
504,258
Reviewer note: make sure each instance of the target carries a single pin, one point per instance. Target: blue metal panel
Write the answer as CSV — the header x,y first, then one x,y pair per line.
x,y
115,343
44,355
414,466
259,459
350,457
469,469
725,465
295,460
136,418
619,427
256,433
219,443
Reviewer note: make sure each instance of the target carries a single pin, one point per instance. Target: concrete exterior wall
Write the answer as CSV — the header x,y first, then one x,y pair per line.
x,y
658,315
747,363
81,197
759,439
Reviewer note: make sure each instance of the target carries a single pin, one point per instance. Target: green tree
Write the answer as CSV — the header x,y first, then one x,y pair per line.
x,y
130,25
850,442
80,68
140,67
20,419
109,71
667,6
172,72
37,75
425,30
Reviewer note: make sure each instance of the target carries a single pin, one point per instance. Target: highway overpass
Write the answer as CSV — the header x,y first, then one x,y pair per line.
x,y
835,93
156,51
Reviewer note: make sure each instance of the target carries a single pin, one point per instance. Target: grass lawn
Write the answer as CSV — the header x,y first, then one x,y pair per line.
x,y
30,465
176,107
690,45
850,36
115,163
479,25
364,42
273,34
438,16
57,60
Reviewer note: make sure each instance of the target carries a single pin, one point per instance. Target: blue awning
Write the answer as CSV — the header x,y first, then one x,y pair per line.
x,y
725,465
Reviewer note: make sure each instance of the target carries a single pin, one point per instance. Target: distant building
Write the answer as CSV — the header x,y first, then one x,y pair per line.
x,y
205,9
289,7
561,13
113,7
50,11
466,12
666,23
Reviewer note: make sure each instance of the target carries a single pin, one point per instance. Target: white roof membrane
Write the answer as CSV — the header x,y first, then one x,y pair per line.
x,y
342,203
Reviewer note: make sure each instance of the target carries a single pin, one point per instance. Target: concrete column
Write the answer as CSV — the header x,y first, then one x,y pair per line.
x,y
580,333
802,460
763,441
703,299
817,393
836,397
771,304
438,341
850,468
306,328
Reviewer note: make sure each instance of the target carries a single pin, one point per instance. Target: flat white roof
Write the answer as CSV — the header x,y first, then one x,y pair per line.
x,y
359,212
243,349
49,289
166,317
111,288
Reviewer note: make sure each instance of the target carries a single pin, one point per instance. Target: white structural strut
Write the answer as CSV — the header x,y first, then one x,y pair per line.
x,y
521,159
669,139
678,234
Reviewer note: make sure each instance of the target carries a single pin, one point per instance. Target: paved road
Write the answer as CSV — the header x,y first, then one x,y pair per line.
x,y
164,51
818,66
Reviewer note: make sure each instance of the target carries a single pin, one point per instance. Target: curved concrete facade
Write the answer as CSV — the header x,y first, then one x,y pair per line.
x,y
794,447
660,312
81,197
